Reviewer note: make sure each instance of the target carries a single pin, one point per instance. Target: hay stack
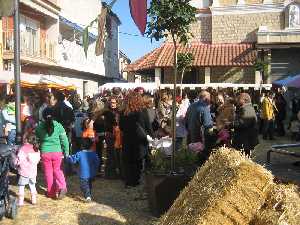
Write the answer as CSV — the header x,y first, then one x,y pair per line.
x,y
228,189
282,207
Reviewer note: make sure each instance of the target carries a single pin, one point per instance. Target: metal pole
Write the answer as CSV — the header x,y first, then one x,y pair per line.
x,y
17,64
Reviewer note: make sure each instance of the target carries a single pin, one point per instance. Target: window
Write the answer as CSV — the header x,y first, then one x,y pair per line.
x,y
30,43
8,65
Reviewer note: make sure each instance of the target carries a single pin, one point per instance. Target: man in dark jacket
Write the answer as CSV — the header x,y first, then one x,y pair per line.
x,y
245,130
198,118
199,124
63,113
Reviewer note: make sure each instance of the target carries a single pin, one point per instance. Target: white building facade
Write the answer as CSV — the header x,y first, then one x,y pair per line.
x,y
52,46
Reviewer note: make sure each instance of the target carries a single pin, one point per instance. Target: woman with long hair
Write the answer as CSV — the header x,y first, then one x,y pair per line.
x,y
135,127
53,146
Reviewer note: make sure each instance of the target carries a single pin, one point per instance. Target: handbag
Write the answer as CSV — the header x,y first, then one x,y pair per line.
x,y
196,147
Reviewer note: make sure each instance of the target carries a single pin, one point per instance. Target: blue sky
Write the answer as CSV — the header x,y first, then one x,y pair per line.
x,y
133,46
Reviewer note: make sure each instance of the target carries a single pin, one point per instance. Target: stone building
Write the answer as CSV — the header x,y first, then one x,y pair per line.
x,y
52,45
230,38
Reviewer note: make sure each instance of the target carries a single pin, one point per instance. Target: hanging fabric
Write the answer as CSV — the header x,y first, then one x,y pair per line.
x,y
138,10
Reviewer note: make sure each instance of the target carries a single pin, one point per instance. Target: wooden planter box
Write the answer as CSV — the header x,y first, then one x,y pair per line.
x,y
163,189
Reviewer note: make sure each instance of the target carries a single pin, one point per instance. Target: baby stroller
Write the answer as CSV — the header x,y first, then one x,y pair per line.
x,y
8,204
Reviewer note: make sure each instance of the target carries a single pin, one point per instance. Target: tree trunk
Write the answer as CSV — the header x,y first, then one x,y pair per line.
x,y
174,106
181,80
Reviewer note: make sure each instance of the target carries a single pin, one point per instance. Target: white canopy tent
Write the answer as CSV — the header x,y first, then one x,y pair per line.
x,y
154,86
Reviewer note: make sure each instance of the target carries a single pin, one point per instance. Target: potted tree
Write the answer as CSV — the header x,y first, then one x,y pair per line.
x,y
161,186
170,19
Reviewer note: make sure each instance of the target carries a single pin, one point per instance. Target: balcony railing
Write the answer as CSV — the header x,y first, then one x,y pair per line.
x,y
32,46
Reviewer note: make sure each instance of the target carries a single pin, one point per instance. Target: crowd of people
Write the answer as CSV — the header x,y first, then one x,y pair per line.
x,y
118,126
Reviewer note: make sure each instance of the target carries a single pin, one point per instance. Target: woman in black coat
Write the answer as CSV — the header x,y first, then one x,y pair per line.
x,y
135,126
245,125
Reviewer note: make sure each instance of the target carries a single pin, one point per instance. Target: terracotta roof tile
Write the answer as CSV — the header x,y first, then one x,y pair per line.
x,y
204,55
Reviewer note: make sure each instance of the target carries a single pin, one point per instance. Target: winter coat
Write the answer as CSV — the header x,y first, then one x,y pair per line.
x,y
27,160
197,117
245,130
268,109
135,127
88,163
57,142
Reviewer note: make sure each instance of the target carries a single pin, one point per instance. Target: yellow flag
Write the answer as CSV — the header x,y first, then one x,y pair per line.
x,y
6,7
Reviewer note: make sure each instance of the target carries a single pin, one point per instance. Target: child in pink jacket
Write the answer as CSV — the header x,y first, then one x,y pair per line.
x,y
27,159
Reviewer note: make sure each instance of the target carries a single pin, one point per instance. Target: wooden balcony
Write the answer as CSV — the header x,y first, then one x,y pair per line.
x,y
33,48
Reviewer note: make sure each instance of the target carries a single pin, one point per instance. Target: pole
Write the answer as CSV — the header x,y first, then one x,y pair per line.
x,y
17,71
174,109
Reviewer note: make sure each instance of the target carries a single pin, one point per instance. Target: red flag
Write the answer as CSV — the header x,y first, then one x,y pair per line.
x,y
138,10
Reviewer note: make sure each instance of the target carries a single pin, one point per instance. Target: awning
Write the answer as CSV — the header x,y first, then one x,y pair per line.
x,y
283,82
75,26
239,55
35,81
290,81
53,82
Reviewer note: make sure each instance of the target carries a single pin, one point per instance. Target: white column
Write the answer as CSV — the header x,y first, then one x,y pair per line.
x,y
241,2
268,1
257,77
207,75
157,78
216,3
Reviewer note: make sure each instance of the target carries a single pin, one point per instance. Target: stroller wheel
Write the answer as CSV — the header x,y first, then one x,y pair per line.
x,y
13,208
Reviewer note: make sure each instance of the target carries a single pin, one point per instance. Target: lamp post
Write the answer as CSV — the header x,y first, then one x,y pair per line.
x,y
17,69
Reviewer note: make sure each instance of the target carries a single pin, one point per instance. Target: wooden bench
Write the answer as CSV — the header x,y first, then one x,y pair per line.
x,y
282,149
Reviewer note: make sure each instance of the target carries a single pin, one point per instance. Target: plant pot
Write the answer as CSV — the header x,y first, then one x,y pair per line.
x,y
163,189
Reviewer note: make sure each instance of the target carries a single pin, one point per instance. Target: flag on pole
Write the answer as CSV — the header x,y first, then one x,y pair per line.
x,y
138,10
6,7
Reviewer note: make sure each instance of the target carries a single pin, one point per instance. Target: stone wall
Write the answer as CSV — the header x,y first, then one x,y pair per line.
x,y
243,27
202,29
248,2
243,75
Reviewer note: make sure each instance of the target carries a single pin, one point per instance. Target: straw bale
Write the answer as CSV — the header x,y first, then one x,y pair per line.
x,y
282,206
228,189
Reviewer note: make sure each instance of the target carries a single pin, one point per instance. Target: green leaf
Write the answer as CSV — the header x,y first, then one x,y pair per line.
x,y
85,40
172,17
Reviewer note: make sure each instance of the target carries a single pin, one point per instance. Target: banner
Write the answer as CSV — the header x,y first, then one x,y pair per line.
x,y
6,7
101,32
138,10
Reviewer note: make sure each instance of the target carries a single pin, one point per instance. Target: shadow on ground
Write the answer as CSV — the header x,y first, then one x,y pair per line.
x,y
89,219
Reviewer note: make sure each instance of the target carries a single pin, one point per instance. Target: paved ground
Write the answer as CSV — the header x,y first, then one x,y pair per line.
x,y
115,205
280,165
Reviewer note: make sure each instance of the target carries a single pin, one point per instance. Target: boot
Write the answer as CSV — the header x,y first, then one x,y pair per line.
x,y
33,198
21,200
